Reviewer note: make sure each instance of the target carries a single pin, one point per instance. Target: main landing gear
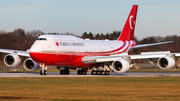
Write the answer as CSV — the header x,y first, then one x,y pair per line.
x,y
82,71
63,70
66,71
43,70
100,72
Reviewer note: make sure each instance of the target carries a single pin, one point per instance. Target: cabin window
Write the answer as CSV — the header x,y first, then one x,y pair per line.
x,y
41,39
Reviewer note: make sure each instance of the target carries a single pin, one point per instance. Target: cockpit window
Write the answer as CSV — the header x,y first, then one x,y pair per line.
x,y
41,39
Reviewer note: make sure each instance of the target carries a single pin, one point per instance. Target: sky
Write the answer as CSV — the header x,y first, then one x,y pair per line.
x,y
154,18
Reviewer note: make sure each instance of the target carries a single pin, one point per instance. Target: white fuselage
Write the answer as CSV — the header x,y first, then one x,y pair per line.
x,y
65,46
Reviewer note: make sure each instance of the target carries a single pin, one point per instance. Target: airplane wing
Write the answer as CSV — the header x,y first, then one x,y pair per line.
x,y
101,59
153,44
18,52
97,59
119,64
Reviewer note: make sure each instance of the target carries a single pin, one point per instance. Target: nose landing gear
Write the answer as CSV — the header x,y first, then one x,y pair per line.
x,y
43,70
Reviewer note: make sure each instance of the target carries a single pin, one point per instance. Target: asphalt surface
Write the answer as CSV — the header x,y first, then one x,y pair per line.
x,y
74,74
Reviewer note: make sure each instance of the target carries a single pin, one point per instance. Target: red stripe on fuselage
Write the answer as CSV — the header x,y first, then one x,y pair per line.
x,y
59,59
124,44
126,49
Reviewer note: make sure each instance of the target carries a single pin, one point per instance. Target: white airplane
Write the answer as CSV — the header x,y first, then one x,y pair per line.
x,y
73,52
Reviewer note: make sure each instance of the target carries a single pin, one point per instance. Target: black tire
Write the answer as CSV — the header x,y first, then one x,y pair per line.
x,y
45,72
66,71
107,72
62,72
103,72
83,73
93,72
79,72
98,72
41,73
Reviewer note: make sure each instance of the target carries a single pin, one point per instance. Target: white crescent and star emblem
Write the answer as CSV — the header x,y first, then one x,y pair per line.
x,y
130,24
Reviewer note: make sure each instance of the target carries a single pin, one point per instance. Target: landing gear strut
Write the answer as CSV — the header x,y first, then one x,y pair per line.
x,y
43,70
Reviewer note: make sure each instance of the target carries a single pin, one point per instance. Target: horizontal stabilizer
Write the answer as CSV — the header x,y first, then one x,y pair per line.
x,y
153,44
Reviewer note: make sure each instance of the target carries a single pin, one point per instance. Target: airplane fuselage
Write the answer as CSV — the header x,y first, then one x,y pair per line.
x,y
65,50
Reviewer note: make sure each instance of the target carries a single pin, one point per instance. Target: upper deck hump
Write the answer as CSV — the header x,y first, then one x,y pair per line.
x,y
66,37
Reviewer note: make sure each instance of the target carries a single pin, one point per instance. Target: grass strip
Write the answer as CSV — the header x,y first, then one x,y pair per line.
x,y
76,89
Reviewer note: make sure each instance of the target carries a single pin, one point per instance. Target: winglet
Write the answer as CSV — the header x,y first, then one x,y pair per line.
x,y
128,30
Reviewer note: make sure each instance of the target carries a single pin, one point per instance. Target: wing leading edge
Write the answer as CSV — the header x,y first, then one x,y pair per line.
x,y
102,59
18,52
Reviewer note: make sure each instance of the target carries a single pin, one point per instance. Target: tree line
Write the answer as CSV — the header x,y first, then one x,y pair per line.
x,y
19,39
109,36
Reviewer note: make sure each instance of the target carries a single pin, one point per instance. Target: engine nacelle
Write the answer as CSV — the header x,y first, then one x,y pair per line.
x,y
30,65
166,62
120,66
12,60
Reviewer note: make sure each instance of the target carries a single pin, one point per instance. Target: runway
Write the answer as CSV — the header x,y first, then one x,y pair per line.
x,y
112,74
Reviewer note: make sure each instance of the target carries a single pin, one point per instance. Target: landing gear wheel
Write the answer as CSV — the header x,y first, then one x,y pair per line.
x,y
62,72
66,71
103,72
107,72
81,72
98,72
45,72
41,72
93,72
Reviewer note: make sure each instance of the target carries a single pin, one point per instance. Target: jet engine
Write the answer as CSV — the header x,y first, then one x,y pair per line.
x,y
30,65
120,66
166,62
12,60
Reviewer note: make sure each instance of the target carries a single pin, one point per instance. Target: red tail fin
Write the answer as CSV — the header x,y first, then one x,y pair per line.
x,y
128,30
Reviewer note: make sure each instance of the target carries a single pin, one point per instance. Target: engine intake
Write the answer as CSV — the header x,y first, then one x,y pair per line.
x,y
30,65
166,62
12,60
120,66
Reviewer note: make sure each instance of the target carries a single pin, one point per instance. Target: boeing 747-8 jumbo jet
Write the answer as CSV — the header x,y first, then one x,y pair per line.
x,y
69,52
